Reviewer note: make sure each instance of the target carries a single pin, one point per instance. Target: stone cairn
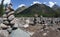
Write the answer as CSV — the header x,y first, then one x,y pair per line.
x,y
8,18
8,23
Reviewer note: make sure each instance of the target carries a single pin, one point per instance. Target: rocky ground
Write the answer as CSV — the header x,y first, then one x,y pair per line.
x,y
50,31
47,33
37,31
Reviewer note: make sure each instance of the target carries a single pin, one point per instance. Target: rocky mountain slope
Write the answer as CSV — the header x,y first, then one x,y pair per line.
x,y
40,9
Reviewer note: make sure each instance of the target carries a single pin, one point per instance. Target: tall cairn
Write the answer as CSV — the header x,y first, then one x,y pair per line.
x,y
8,17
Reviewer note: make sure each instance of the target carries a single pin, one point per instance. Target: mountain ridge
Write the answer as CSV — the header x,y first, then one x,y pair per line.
x,y
40,9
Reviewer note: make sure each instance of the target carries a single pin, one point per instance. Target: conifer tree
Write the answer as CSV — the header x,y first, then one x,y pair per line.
x,y
1,8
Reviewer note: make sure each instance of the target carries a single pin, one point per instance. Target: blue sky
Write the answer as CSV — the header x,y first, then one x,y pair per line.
x,y
16,3
19,3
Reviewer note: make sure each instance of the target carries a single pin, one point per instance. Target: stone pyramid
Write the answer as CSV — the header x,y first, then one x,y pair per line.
x,y
8,17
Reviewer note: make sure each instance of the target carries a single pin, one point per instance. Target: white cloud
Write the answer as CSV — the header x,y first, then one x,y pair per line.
x,y
6,1
34,2
44,2
51,3
21,5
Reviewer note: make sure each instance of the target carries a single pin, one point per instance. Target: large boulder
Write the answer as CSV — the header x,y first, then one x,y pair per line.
x,y
19,33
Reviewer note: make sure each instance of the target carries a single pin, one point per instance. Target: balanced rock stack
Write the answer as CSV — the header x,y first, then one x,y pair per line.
x,y
8,17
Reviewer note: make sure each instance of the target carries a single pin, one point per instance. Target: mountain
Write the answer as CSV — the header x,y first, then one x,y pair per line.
x,y
18,10
57,9
40,9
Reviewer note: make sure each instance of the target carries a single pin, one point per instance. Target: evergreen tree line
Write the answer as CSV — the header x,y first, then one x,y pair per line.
x,y
1,8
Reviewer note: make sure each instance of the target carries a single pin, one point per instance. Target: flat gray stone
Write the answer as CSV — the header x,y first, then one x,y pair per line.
x,y
5,22
11,17
5,15
19,33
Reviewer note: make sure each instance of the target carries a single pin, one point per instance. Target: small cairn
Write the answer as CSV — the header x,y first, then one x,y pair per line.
x,y
9,21
8,16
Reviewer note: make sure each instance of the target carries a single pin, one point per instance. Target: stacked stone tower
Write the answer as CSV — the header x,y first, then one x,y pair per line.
x,y
8,16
